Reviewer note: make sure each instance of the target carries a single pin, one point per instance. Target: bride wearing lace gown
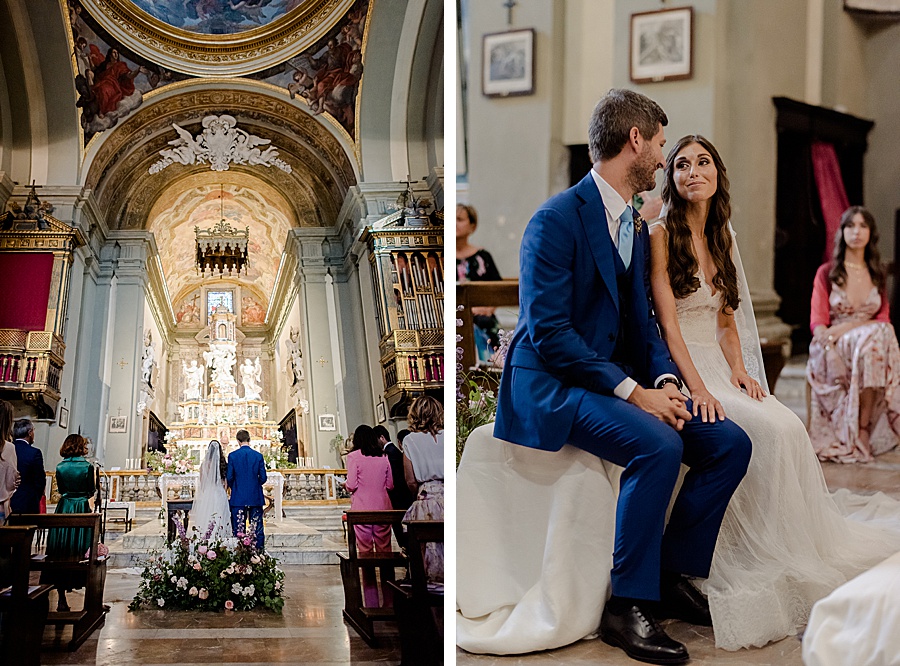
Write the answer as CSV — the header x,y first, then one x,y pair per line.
x,y
211,515
785,542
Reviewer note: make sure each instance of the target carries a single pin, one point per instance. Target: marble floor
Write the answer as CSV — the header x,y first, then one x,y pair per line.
x,y
880,475
310,631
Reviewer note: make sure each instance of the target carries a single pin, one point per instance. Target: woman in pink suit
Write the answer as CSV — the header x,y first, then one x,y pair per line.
x,y
368,479
854,359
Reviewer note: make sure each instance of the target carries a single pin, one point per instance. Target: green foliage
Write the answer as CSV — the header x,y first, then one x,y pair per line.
x,y
194,573
476,405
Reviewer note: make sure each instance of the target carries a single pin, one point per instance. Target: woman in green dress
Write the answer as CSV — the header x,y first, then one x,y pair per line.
x,y
75,480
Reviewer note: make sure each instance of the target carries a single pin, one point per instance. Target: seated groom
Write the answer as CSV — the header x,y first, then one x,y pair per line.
x,y
246,475
586,366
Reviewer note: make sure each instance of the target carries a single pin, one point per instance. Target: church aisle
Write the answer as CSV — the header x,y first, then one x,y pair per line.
x,y
311,630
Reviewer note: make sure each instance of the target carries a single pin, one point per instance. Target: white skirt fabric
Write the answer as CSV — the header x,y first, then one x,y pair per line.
x,y
535,533
859,623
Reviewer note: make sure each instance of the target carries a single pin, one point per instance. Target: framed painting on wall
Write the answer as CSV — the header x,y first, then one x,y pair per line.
x,y
661,45
327,422
507,66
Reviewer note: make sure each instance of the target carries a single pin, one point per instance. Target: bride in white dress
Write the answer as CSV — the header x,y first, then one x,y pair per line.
x,y
784,543
211,514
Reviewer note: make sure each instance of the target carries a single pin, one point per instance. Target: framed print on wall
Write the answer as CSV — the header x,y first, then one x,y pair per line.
x,y
661,45
327,422
63,417
381,412
118,424
507,63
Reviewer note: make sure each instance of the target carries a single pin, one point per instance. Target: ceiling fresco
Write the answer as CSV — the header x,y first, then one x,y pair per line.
x,y
204,200
112,79
218,17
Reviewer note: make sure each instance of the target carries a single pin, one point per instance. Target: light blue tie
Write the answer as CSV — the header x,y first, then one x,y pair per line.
x,y
626,235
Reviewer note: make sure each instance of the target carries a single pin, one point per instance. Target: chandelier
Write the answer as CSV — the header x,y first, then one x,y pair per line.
x,y
221,248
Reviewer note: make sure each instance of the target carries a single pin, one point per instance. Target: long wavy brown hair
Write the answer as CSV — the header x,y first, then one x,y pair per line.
x,y
838,274
682,264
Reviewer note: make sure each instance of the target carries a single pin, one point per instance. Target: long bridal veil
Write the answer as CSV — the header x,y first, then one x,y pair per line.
x,y
211,514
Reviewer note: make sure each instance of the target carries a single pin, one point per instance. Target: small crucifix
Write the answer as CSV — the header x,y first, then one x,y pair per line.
x,y
509,4
322,361
122,364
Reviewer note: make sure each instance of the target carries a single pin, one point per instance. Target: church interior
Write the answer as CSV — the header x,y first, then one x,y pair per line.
x,y
220,216
769,83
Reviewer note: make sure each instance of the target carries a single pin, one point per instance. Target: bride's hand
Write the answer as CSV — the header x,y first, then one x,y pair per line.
x,y
707,406
744,381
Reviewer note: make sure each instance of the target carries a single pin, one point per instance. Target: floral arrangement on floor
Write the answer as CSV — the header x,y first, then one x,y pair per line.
x,y
196,573
179,460
476,392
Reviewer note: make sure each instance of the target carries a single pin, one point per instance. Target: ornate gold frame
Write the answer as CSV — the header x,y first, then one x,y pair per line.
x,y
199,54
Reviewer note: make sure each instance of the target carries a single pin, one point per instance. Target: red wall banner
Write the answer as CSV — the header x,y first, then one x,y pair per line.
x,y
25,289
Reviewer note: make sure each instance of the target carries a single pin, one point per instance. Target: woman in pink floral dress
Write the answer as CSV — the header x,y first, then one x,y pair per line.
x,y
854,359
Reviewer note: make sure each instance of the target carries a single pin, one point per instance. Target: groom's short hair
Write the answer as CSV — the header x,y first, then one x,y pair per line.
x,y
243,436
381,431
614,116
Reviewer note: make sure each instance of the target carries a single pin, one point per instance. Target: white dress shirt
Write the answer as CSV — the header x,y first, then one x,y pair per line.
x,y
615,205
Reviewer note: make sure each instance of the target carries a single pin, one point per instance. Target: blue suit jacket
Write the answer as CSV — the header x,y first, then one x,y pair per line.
x,y
245,476
569,320
27,498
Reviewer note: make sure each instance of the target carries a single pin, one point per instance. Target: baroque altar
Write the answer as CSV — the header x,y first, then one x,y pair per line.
x,y
213,409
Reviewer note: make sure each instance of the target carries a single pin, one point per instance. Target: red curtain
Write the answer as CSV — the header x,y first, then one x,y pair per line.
x,y
832,195
25,289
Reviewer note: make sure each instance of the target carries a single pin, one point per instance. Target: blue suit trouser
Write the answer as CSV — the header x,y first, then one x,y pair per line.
x,y
248,520
651,453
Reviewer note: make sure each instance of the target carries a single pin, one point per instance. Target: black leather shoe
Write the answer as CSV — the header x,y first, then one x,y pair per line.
x,y
683,601
637,633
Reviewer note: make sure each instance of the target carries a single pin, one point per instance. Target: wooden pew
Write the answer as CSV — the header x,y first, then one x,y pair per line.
x,y
24,607
417,607
504,293
173,508
92,570
358,616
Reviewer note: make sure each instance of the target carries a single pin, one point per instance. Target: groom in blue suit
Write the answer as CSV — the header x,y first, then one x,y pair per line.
x,y
246,475
587,366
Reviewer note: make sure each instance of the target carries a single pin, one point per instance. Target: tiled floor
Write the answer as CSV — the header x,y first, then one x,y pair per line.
x,y
883,474
309,632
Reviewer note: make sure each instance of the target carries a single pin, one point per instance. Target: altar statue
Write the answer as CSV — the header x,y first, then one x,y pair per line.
x,y
221,360
193,377
251,374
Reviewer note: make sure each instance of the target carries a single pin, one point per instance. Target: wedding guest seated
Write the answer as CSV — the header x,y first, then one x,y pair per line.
x,y
854,359
475,264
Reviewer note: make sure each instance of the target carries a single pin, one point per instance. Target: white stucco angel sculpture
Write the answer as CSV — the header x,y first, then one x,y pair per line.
x,y
294,365
193,377
148,359
251,374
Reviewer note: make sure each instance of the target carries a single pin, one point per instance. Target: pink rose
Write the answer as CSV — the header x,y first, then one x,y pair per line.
x,y
204,593
196,566
211,554
229,605
247,541
202,549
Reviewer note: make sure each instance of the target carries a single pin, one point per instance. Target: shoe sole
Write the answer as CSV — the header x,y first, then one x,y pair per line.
x,y
648,660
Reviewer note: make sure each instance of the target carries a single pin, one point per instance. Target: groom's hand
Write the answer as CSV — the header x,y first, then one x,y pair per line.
x,y
667,404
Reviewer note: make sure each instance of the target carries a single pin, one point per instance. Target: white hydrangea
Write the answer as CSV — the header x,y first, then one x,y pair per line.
x,y
237,589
